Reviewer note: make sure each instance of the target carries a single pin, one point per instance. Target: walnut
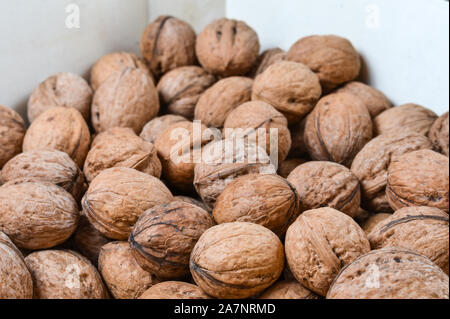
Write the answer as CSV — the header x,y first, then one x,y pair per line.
x,y
174,290
237,260
390,273
287,166
288,290
372,221
419,178
158,125
266,59
298,147
12,132
193,201
228,48
319,243
439,135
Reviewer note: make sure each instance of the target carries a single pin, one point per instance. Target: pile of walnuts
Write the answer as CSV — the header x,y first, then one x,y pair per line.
x,y
93,203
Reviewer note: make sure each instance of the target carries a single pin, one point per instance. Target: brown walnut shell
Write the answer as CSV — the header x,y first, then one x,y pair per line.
x,y
288,290
438,135
287,166
193,201
158,125
174,290
372,221
12,132
267,59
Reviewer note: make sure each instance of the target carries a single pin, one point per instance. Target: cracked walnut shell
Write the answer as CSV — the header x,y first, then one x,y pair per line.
x,y
438,135
174,290
12,132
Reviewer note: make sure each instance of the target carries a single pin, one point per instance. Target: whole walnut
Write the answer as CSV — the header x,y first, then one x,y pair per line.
x,y
419,178
292,88
298,147
168,43
267,200
117,198
288,290
319,243
287,166
126,99
332,58
193,201
59,129
371,222
390,273
438,135
237,260
174,290
372,163
266,59
61,90
181,88
420,229
338,129
164,236
37,215
158,125
121,147
326,184
62,274
227,48
221,99
12,132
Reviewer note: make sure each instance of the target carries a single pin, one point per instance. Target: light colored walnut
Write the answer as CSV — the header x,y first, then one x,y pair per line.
x,y
174,290
288,290
158,125
12,132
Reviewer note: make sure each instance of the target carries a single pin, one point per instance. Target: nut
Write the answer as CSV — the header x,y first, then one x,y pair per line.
x,y
12,131
372,221
288,290
438,135
266,59
193,201
287,166
174,290
298,148
158,125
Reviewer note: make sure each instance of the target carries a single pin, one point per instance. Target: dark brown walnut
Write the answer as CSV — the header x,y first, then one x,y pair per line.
x,y
62,274
326,184
37,215
332,58
126,99
168,43
60,129
117,198
288,290
266,59
298,147
121,147
372,163
319,243
61,90
390,273
237,260
371,222
438,135
163,238
221,99
12,132
405,118
419,178
228,48
292,88
287,166
338,129
267,200
174,290
193,201
420,229
180,89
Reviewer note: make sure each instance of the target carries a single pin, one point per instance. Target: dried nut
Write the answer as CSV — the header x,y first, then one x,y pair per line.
x,y
12,131
121,147
37,215
16,282
372,163
168,43
421,229
60,274
292,88
298,148
61,90
419,178
158,125
390,273
287,166
333,58
288,290
338,129
174,290
237,260
117,198
180,89
439,135
60,129
123,276
126,99
370,223
228,47
267,200
163,238
266,59
192,201
221,99
326,184
320,243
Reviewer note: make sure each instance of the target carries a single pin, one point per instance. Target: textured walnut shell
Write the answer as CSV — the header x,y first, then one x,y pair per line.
x,y
338,129
332,58
37,215
288,290
126,99
439,135
298,147
61,90
121,147
193,201
372,221
319,243
158,125
326,184
163,238
266,59
117,198
168,43
372,163
12,132
287,166
390,273
60,129
228,47
419,178
221,99
237,260
292,88
59,274
267,200
174,290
